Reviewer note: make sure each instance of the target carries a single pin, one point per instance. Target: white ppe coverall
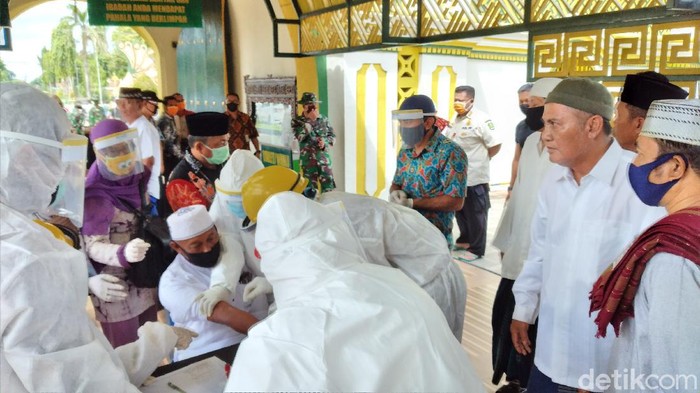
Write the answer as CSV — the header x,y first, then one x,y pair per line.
x,y
48,342
396,236
341,324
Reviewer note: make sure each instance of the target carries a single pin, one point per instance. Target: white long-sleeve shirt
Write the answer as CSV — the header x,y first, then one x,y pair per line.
x,y
662,338
577,231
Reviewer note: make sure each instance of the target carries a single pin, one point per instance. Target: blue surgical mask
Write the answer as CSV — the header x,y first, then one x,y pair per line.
x,y
648,192
411,136
234,204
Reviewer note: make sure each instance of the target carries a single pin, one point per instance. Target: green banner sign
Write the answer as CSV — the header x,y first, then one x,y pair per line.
x,y
157,13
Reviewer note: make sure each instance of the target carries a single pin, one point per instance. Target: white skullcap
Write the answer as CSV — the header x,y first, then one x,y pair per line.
x,y
189,222
542,87
237,170
674,120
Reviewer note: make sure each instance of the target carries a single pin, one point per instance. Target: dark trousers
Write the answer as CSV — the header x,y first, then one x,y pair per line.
x,y
505,359
472,218
540,383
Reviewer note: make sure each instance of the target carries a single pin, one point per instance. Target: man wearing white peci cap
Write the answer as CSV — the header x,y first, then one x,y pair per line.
x,y
200,247
652,295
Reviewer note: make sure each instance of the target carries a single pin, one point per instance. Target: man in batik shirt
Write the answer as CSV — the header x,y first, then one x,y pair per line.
x,y
431,170
241,129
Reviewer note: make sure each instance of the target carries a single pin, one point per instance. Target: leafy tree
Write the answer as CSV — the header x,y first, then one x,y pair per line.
x,y
60,60
5,74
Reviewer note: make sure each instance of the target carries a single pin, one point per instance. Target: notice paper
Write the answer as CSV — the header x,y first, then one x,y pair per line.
x,y
205,376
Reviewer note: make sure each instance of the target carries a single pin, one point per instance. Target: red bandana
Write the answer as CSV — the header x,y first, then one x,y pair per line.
x,y
614,291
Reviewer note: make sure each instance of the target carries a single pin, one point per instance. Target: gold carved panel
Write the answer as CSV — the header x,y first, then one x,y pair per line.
x,y
669,48
444,17
366,23
325,31
402,18
544,10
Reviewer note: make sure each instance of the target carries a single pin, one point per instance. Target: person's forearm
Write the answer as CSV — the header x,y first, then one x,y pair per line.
x,y
256,144
443,203
514,165
494,150
232,317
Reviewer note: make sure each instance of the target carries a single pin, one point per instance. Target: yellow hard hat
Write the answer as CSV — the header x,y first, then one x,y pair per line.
x,y
267,182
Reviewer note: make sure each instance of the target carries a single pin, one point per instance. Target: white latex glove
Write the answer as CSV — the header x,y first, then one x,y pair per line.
x,y
256,287
404,200
107,287
184,337
396,196
135,250
210,298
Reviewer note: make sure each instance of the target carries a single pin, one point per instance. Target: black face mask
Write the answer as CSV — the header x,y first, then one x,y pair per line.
x,y
232,106
533,118
204,259
523,108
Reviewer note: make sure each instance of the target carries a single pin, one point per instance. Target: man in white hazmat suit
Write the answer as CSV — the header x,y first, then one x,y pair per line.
x,y
391,235
341,324
49,343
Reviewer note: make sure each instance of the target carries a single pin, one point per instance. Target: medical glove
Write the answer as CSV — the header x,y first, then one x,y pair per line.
x,y
211,297
184,337
408,202
107,287
135,250
397,195
258,286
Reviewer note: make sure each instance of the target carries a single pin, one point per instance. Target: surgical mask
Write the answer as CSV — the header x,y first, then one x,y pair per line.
x,y
459,107
120,165
648,192
219,155
172,110
155,110
234,204
207,259
523,108
533,117
232,106
411,136
181,105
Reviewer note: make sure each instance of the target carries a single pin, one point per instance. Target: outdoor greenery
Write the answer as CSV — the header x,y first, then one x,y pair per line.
x,y
5,74
81,63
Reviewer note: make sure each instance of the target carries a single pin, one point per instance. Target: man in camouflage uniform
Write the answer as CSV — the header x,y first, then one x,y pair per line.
x,y
315,136
96,114
77,118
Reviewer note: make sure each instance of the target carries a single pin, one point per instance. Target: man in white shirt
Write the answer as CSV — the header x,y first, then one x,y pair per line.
x,y
130,104
587,214
200,248
474,132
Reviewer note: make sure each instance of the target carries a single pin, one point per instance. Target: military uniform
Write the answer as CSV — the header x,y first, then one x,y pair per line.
x,y
96,115
315,161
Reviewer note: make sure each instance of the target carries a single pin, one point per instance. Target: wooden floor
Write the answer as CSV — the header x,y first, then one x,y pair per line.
x,y
476,336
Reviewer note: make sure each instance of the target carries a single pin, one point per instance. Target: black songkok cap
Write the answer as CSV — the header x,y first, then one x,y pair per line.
x,y
150,95
130,92
641,89
207,124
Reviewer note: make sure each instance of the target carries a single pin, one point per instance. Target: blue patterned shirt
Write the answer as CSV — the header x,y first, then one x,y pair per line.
x,y
440,169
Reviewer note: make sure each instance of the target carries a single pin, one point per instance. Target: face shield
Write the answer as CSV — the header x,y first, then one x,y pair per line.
x,y
67,200
409,125
118,155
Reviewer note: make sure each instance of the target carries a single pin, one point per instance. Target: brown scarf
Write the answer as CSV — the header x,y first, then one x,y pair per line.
x,y
614,291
